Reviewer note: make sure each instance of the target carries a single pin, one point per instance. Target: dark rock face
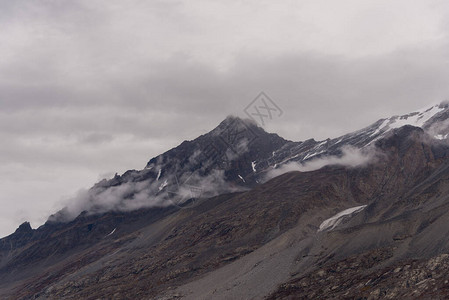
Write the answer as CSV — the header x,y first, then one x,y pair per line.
x,y
261,242
232,147
19,238
409,279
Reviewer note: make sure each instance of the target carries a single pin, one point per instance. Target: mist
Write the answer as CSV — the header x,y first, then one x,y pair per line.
x,y
164,187
350,157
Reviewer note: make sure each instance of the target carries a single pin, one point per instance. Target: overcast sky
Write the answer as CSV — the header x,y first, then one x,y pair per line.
x,y
90,88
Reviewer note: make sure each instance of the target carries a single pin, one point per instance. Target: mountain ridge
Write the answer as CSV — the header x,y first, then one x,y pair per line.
x,y
198,247
283,151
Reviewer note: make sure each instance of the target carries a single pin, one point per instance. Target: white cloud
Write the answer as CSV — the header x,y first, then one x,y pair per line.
x,y
350,157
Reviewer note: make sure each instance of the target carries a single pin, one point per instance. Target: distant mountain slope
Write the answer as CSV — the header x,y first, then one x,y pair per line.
x,y
434,120
244,237
234,156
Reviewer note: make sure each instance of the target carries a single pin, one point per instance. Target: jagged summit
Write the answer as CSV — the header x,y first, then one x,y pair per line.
x,y
239,127
425,118
236,120
24,227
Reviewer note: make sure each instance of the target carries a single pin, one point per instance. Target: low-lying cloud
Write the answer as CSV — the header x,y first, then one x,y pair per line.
x,y
350,157
128,196
164,186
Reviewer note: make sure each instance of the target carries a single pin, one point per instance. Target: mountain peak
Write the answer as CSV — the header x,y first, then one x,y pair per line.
x,y
24,227
236,121
235,127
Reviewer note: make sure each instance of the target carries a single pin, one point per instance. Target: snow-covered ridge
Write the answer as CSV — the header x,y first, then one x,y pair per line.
x,y
417,119
334,221
428,119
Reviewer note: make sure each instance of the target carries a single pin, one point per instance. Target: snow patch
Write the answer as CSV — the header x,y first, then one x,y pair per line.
x,y
382,126
242,178
159,174
253,165
112,232
312,155
164,184
321,144
334,221
440,136
417,119
339,141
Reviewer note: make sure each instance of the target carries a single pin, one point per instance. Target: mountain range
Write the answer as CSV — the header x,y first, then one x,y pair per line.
x,y
239,213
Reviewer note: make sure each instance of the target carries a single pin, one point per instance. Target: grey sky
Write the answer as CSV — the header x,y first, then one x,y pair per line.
x,y
89,88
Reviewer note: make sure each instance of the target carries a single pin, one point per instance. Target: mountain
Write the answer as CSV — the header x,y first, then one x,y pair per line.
x,y
234,156
219,217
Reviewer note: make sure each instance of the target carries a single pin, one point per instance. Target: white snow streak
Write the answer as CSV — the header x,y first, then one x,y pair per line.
x,y
112,232
253,165
385,123
242,178
164,184
312,154
334,221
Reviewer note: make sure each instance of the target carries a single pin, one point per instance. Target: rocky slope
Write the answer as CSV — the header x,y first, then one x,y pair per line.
x,y
291,237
